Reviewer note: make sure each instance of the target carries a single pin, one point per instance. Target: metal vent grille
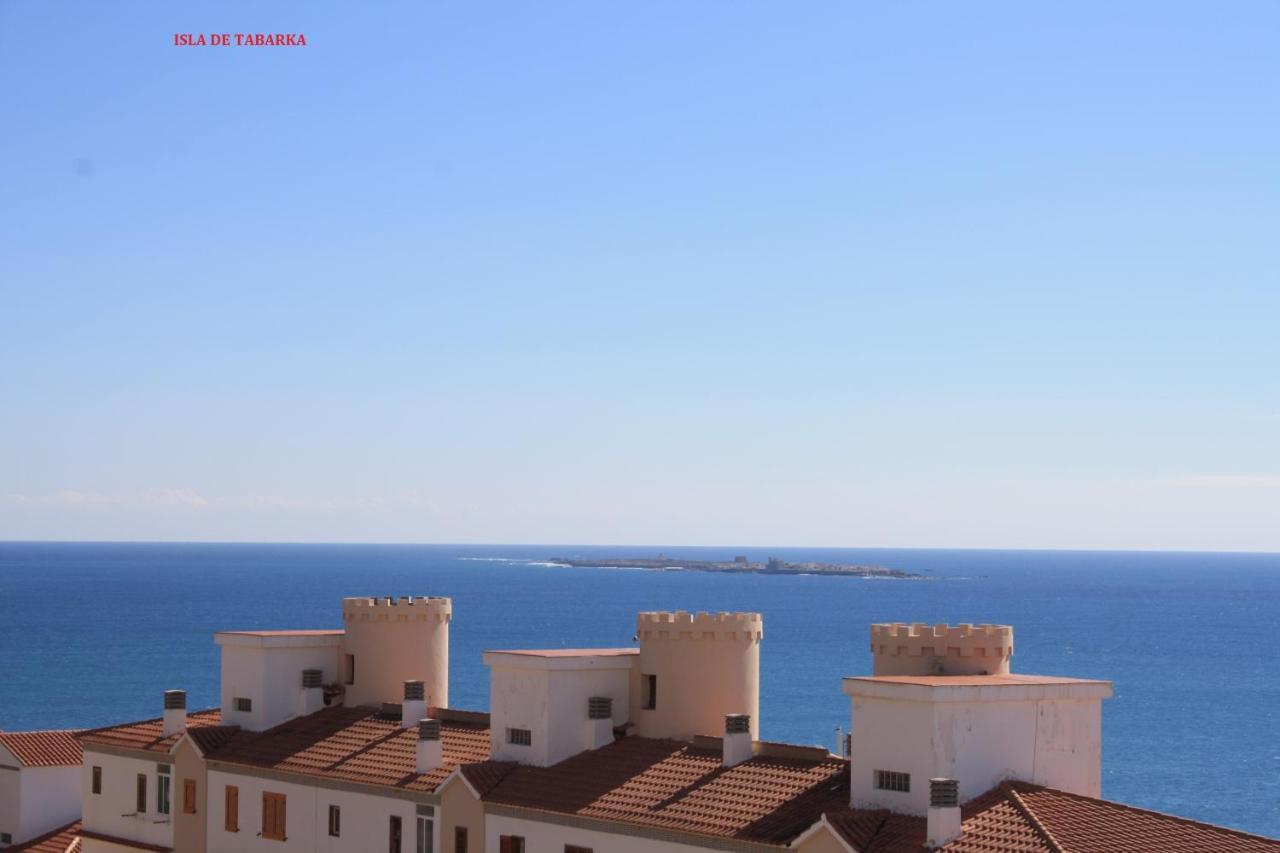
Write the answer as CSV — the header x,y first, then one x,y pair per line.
x,y
520,737
175,699
892,780
944,793
311,677
737,723
414,690
599,708
428,730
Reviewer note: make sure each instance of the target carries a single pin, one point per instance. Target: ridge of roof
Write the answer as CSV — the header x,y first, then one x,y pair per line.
x,y
148,735
1021,805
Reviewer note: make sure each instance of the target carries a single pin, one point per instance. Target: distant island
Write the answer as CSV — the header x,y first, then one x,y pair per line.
x,y
773,566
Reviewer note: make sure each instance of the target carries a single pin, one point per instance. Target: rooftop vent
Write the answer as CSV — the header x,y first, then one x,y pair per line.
x,y
312,677
737,739
414,690
175,712
430,753
428,730
175,699
943,821
599,708
737,723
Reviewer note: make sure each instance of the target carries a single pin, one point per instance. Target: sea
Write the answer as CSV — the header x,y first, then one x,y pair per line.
x,y
91,634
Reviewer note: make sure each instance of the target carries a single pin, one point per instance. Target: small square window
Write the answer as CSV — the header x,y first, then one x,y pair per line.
x,y
892,780
97,779
244,704
520,737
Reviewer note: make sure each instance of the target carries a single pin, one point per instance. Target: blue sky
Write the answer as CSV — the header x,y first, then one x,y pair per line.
x,y
984,274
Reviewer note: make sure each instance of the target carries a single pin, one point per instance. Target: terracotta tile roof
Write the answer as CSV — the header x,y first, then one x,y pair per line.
x,y
1022,818
356,745
43,749
673,786
147,735
484,776
61,840
209,738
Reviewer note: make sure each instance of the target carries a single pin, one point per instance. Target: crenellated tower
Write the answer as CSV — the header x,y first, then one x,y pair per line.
x,y
693,670
920,649
389,641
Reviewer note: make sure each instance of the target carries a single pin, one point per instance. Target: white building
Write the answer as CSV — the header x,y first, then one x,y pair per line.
x,y
335,741
39,783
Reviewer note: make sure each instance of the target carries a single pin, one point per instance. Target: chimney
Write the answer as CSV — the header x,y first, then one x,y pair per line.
x,y
599,722
312,691
414,707
944,812
175,712
737,739
430,747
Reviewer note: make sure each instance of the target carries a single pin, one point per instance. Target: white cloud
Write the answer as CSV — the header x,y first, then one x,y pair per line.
x,y
156,497
159,498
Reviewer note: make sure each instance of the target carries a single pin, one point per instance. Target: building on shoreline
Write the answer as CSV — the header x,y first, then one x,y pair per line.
x,y
344,741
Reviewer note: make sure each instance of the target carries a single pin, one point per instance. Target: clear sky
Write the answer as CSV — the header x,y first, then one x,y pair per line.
x,y
846,273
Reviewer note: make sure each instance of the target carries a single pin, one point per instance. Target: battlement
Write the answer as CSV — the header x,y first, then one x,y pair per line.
x,y
920,649
402,609
681,624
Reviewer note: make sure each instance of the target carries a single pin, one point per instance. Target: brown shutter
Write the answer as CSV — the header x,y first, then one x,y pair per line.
x,y
142,793
273,816
233,809
505,845
460,840
189,796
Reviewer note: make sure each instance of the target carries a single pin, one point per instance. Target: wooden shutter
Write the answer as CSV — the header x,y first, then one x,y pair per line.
x,y
232,822
273,816
460,840
142,793
97,779
505,845
188,796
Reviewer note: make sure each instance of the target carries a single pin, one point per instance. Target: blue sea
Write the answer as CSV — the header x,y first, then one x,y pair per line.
x,y
91,634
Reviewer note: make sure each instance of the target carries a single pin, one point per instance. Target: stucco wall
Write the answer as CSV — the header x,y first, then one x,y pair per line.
x,y
50,799
459,808
394,642
113,811
551,838
1055,742
365,818
189,830
10,801
822,841
271,676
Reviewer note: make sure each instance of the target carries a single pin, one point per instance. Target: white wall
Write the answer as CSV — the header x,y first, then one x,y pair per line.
x,y
551,838
365,818
549,697
50,799
106,812
269,672
1054,742
10,800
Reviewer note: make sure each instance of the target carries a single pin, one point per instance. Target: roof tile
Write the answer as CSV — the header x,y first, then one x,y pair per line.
x,y
45,748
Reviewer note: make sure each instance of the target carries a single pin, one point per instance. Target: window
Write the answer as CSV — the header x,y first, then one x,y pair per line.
x,y
243,704
162,789
97,779
650,692
231,818
460,840
273,816
520,737
142,793
335,821
511,844
396,831
188,796
573,848
426,840
891,780
350,670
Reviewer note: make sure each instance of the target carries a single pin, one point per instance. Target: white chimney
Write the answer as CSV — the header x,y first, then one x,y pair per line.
x,y
312,691
737,739
599,722
414,707
430,747
943,823
175,712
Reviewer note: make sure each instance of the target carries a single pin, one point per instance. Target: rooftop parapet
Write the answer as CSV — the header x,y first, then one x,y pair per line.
x,y
681,624
404,608
919,649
